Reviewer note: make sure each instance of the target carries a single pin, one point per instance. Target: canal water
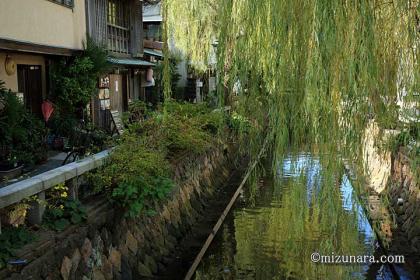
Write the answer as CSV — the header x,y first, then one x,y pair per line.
x,y
284,217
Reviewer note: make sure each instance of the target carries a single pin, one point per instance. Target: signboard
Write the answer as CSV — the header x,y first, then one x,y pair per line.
x,y
104,82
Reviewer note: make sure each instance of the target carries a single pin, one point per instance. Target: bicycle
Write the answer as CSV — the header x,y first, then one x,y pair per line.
x,y
84,141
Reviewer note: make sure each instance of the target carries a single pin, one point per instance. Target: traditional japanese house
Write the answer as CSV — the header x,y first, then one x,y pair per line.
x,y
117,24
33,33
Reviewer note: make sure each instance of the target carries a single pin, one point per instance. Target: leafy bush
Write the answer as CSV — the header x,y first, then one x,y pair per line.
x,y
131,174
239,123
12,239
23,135
75,78
75,83
187,128
62,124
138,171
67,213
134,199
61,210
137,111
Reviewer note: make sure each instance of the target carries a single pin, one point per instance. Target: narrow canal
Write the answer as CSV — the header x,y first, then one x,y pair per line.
x,y
281,219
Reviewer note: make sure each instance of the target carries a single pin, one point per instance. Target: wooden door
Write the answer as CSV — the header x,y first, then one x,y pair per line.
x,y
30,84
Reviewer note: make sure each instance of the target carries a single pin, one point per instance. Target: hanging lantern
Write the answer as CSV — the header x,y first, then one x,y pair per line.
x,y
47,109
10,66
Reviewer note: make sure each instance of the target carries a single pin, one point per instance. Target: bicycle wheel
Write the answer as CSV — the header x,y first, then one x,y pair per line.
x,y
71,157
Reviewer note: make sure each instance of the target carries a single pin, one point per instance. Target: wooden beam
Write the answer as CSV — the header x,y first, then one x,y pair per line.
x,y
153,44
136,28
20,46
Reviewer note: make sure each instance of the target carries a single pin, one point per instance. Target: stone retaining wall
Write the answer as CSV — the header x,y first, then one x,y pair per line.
x,y
110,246
404,194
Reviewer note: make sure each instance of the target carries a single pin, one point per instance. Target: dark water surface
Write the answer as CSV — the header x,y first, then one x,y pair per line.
x,y
277,225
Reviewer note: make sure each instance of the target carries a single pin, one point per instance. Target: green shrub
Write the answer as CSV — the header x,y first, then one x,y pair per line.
x,y
132,175
137,111
23,135
138,172
75,78
11,239
239,123
74,84
134,193
61,210
68,212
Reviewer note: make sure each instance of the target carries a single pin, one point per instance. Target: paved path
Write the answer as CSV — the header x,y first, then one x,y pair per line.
x,y
55,159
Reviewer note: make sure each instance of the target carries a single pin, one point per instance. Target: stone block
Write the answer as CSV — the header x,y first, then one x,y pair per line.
x,y
85,166
107,269
98,275
69,171
150,263
143,270
75,260
16,192
131,242
86,251
51,178
115,259
66,268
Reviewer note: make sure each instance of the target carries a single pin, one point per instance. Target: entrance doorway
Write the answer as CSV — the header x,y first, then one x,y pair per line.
x,y
30,84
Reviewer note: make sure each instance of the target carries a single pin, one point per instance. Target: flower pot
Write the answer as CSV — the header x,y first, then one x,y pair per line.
x,y
7,172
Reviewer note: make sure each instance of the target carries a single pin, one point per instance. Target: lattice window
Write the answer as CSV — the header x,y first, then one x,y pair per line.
x,y
118,25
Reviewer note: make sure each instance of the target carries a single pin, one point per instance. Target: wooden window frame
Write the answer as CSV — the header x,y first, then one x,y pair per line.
x,y
118,26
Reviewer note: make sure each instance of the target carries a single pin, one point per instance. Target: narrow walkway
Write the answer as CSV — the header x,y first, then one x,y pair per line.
x,y
55,159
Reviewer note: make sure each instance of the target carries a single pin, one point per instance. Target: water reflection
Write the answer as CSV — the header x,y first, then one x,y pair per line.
x,y
298,211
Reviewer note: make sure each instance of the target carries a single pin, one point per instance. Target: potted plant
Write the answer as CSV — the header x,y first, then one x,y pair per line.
x,y
9,165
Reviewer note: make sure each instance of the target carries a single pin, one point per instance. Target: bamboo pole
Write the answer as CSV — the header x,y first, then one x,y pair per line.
x,y
216,227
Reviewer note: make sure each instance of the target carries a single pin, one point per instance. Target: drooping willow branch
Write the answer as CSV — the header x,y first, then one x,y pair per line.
x,y
346,61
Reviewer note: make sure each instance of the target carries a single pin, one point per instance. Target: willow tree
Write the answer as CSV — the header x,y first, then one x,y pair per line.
x,y
313,72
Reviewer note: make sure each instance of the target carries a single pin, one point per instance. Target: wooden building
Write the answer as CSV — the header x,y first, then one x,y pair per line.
x,y
117,24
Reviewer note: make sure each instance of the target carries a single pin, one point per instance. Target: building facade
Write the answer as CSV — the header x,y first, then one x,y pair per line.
x,y
32,34
117,25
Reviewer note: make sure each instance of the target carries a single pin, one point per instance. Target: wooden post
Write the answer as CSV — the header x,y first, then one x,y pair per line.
x,y
37,210
136,28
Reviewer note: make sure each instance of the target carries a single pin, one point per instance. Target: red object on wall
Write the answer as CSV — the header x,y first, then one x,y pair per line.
x,y
47,109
